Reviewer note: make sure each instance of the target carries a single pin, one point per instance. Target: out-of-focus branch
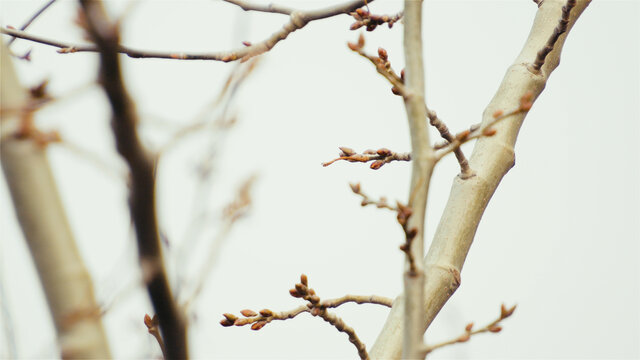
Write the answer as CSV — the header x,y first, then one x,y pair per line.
x,y
33,18
298,20
65,280
142,188
491,159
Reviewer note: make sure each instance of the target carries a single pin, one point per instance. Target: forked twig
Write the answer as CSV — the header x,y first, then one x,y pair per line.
x,y
315,307
493,327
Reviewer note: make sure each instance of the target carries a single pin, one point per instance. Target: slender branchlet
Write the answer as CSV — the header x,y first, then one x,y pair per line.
x,y
315,306
141,165
378,157
383,66
153,327
298,19
371,21
560,29
492,327
465,170
30,21
366,200
486,130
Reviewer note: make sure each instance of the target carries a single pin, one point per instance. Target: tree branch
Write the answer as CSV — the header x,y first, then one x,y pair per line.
x,y
491,159
298,20
64,278
423,161
142,187
33,18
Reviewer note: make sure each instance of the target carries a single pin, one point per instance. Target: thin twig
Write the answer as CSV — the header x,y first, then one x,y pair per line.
x,y
35,16
366,200
560,29
152,326
142,190
383,66
299,19
492,327
379,157
465,170
315,307
474,132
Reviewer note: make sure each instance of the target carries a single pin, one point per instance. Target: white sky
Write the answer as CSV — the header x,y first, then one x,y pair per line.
x,y
559,238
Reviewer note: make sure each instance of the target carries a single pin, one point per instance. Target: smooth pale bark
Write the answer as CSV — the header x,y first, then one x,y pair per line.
x,y
65,280
491,159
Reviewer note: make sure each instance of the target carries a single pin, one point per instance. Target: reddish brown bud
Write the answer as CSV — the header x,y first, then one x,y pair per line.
x,y
230,317
356,25
361,12
382,53
361,41
396,91
468,327
369,152
497,114
248,313
241,322
353,46
266,312
301,289
489,132
355,188
314,299
294,293
376,164
411,233
463,338
526,101
226,322
495,329
505,313
346,151
304,280
258,325
384,152
147,321
246,43
462,136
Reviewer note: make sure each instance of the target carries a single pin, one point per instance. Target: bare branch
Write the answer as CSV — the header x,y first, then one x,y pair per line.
x,y
379,157
33,18
371,21
559,30
38,208
423,162
383,66
484,130
299,19
315,307
493,327
152,325
465,170
142,188
366,200
491,160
